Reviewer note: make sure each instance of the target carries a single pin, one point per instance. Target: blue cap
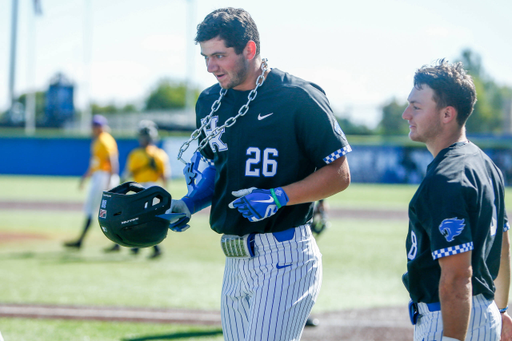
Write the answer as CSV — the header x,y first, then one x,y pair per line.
x,y
99,120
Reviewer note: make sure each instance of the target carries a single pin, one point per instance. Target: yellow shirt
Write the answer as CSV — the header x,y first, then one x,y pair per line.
x,y
101,149
148,164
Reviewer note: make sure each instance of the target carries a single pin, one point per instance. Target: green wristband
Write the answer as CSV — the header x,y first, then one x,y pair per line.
x,y
275,198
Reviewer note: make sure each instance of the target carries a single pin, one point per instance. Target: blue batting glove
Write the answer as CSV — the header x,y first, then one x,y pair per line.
x,y
180,225
258,204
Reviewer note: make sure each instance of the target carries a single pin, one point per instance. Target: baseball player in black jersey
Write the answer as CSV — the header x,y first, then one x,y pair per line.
x,y
269,148
457,247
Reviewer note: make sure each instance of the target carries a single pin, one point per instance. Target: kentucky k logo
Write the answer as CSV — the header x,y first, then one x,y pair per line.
x,y
451,228
216,143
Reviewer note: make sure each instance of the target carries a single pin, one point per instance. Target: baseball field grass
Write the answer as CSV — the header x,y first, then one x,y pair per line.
x,y
363,258
16,329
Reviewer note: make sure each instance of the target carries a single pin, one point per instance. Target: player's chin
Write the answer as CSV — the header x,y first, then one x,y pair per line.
x,y
224,82
412,134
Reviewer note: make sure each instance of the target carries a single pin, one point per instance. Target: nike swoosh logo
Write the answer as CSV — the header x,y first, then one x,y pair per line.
x,y
282,266
264,116
270,200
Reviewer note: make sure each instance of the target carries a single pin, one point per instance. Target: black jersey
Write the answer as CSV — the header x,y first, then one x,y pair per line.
x,y
458,207
288,133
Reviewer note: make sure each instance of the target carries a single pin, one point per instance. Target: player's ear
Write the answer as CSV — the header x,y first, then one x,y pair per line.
x,y
449,114
250,50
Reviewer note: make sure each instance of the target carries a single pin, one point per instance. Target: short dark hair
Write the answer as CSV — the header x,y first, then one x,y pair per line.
x,y
452,87
233,25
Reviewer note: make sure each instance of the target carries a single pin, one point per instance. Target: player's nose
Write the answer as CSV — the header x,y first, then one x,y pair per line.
x,y
406,115
211,66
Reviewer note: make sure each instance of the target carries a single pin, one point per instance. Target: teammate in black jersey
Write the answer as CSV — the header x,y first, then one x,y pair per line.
x,y
457,247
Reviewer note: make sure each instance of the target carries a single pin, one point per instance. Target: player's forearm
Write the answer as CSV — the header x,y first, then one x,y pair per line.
x,y
502,282
200,190
114,164
163,178
455,294
327,181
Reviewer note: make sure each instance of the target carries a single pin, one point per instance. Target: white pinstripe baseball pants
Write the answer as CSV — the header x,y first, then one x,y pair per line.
x,y
269,297
484,323
99,182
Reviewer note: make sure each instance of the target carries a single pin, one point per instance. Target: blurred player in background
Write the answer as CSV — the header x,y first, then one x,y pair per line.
x,y
458,247
148,165
270,147
103,170
318,225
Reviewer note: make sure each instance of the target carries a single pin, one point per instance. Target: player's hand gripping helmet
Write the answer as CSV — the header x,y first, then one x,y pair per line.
x,y
138,219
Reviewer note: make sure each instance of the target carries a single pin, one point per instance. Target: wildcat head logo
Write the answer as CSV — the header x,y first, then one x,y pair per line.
x,y
451,228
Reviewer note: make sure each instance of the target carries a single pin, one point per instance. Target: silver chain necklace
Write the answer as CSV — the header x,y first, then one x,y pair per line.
x,y
229,122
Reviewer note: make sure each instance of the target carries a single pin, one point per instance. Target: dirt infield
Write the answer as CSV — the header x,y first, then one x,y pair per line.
x,y
348,325
6,237
41,205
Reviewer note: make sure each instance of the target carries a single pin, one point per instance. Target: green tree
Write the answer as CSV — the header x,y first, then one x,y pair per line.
x,y
168,94
351,128
472,63
392,122
112,108
129,108
103,109
488,115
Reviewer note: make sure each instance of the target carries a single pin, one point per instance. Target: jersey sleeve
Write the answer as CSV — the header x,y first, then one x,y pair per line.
x,y
321,137
447,218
